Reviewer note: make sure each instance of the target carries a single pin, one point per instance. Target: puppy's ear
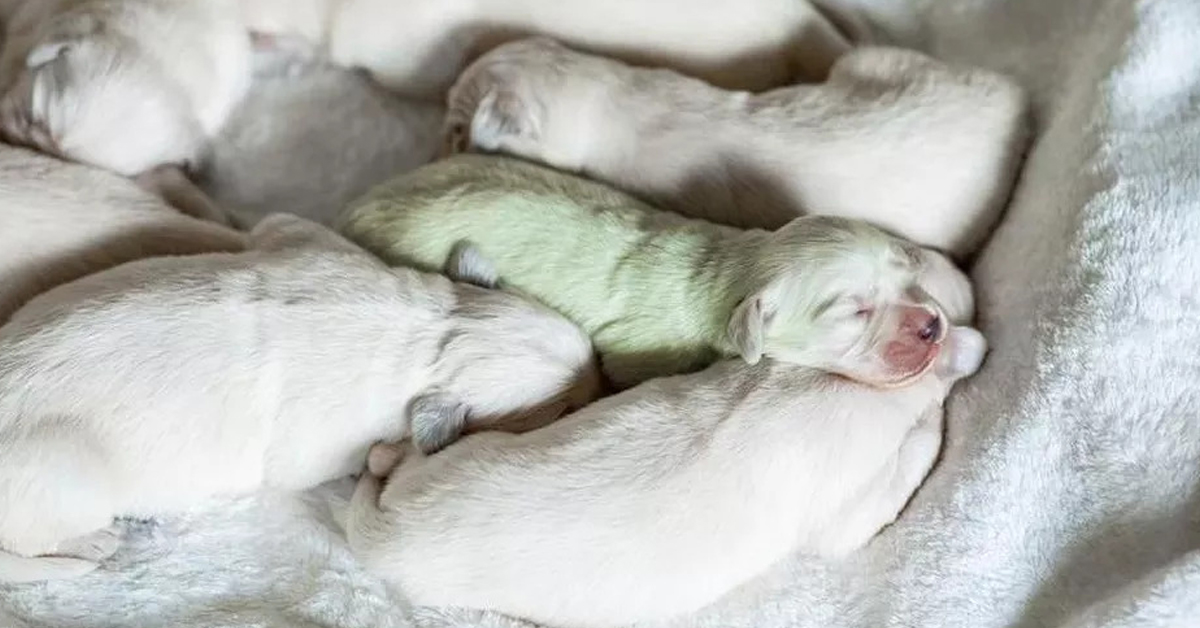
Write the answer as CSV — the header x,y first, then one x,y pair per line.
x,y
65,33
962,354
503,114
47,52
436,421
468,265
748,325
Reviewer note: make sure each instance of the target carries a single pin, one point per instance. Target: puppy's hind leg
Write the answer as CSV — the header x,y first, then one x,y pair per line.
x,y
886,495
70,559
20,569
59,506
94,547
282,231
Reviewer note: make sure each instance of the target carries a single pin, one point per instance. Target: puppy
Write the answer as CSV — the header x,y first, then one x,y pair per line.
x,y
659,293
655,502
143,389
417,47
125,85
927,150
311,137
60,221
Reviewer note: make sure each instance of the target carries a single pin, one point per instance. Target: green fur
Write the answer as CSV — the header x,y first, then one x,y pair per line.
x,y
654,303
654,290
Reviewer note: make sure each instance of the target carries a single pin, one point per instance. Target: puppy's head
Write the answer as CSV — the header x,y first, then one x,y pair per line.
x,y
507,363
526,98
846,297
94,99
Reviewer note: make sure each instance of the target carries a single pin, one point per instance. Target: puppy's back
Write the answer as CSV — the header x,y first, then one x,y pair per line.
x,y
60,221
642,506
509,209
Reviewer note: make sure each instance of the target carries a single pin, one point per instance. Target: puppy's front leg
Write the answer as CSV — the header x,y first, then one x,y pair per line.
x,y
365,521
94,547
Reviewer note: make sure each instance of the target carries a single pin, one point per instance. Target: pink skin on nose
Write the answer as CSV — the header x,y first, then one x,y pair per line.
x,y
916,343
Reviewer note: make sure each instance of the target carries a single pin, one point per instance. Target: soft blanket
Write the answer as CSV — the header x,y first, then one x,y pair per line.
x,y
1068,493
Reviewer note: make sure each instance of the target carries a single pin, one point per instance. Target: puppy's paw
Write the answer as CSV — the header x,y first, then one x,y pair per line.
x,y
382,458
93,547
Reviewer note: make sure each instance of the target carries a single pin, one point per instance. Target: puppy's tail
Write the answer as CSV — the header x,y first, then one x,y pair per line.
x,y
14,568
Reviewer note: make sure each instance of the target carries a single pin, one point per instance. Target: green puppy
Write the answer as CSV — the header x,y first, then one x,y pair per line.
x,y
659,293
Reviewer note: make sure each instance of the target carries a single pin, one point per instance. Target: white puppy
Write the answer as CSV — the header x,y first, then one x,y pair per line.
x,y
928,150
145,388
657,501
122,84
418,46
60,221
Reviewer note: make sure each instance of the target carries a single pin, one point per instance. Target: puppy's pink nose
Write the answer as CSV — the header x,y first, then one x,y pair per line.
x,y
932,330
924,324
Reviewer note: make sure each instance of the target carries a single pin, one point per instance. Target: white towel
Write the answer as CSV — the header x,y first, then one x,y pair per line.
x,y
1068,493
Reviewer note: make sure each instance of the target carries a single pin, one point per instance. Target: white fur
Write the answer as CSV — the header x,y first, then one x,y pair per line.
x,y
655,502
143,389
122,84
61,221
922,148
418,46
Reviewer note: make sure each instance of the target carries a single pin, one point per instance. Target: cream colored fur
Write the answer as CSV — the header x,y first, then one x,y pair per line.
x,y
418,46
925,149
61,221
656,502
143,389
126,85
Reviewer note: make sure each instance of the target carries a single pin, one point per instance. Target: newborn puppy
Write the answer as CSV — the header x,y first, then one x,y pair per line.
x,y
661,294
310,137
143,389
417,47
655,502
125,85
60,221
927,150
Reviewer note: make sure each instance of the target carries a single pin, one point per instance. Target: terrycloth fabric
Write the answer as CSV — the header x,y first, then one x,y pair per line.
x,y
1068,494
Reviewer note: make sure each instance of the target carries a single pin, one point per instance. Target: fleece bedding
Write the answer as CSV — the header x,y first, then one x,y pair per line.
x,y
1068,491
